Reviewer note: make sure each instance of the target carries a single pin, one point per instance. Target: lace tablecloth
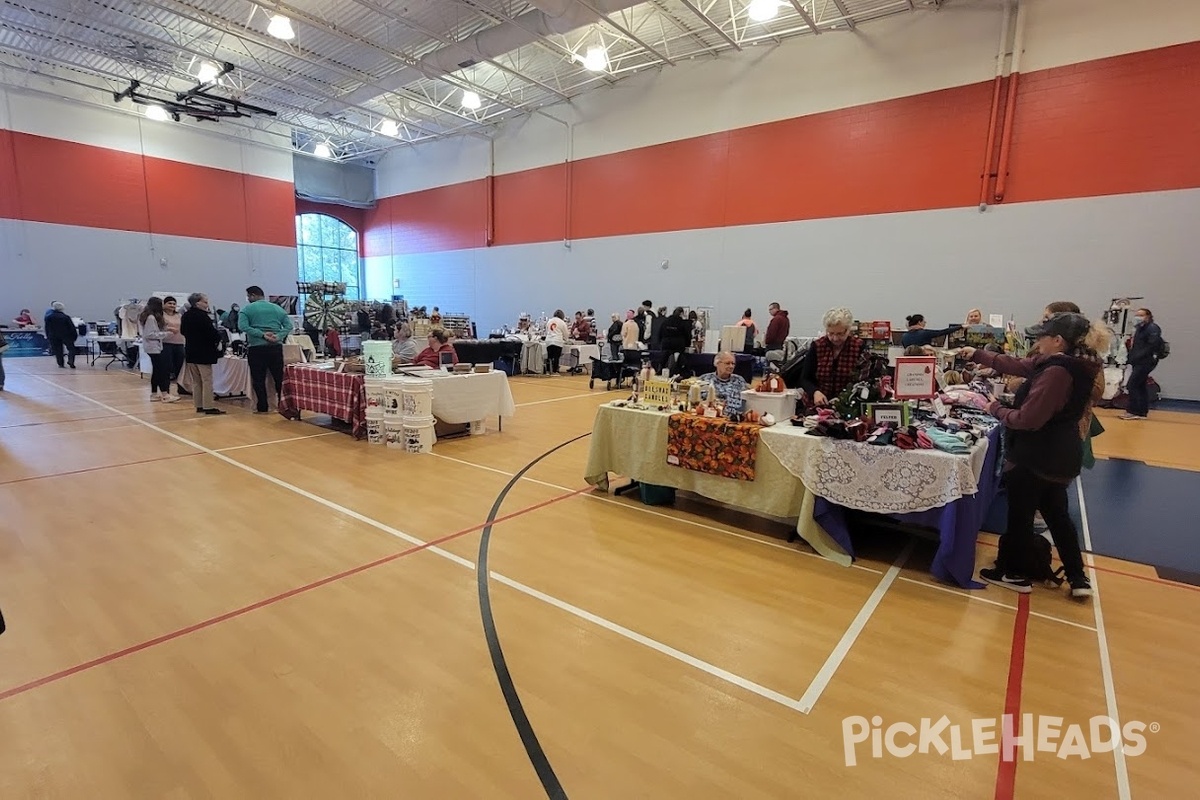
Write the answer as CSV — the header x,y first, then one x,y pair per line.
x,y
865,477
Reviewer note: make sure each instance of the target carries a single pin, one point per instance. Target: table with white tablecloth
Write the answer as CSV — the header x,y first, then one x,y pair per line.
x,y
231,377
470,398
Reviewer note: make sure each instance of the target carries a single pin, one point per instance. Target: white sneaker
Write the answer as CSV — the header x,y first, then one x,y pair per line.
x,y
170,398
154,398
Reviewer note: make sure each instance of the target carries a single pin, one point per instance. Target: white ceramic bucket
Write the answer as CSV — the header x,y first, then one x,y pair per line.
x,y
418,398
418,434
377,359
394,432
375,394
393,396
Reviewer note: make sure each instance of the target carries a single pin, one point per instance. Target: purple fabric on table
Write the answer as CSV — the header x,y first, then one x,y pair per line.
x,y
957,524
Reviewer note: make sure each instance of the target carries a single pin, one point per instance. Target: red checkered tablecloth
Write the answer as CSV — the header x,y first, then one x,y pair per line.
x,y
340,395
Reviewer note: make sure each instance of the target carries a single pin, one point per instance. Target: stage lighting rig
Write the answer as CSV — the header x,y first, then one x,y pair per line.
x,y
199,102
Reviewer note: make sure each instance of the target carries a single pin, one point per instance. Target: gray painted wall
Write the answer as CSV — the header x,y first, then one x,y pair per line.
x,y
1010,260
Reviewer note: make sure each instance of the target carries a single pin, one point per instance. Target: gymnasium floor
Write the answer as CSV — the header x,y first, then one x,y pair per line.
x,y
246,607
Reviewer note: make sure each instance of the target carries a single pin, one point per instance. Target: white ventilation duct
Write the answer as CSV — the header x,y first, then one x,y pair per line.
x,y
552,17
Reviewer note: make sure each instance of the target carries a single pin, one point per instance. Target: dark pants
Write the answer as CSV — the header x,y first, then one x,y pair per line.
x,y
553,353
1028,494
175,358
1,371
265,358
58,347
160,373
1139,390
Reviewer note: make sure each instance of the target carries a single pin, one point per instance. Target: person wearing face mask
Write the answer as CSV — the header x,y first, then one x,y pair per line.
x,y
1043,449
1143,357
833,360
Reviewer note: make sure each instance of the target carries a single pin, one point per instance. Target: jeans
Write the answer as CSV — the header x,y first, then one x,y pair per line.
x,y
1138,388
1028,494
58,347
202,385
160,373
264,358
175,358
553,353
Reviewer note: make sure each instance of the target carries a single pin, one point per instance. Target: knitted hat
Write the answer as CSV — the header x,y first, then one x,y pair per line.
x,y
1071,327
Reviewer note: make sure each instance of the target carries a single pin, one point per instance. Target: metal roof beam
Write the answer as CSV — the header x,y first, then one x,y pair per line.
x,y
841,7
803,12
708,21
633,37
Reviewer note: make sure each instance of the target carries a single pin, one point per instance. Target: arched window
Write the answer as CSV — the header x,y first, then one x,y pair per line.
x,y
327,250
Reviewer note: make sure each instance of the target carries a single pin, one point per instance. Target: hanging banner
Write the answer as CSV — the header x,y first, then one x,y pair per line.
x,y
24,344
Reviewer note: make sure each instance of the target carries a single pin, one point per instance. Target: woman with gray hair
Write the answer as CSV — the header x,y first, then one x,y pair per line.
x,y
404,348
61,332
833,360
202,348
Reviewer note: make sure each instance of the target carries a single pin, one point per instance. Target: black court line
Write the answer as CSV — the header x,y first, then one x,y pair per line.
x,y
533,748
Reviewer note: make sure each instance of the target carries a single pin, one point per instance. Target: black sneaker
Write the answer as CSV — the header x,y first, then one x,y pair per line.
x,y
1080,586
212,412
1007,580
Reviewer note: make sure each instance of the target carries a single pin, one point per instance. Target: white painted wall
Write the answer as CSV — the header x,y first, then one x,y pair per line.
x,y
1011,260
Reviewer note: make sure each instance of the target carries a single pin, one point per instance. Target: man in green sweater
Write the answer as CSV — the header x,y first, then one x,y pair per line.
x,y
266,327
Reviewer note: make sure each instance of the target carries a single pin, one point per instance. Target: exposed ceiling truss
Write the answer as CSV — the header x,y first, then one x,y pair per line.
x,y
364,76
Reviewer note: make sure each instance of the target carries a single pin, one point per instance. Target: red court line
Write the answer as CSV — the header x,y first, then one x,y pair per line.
x,y
58,421
97,469
208,623
1111,571
1006,771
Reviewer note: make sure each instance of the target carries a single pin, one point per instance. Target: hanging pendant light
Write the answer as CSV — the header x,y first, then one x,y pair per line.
x,y
470,100
323,150
157,113
389,127
763,10
281,27
596,59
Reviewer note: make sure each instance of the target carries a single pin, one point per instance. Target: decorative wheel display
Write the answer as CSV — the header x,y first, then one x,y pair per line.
x,y
324,312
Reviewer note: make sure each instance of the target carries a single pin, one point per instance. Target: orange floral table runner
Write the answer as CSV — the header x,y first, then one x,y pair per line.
x,y
715,446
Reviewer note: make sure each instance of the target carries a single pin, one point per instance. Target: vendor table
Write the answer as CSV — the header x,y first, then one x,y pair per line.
x,y
794,469
341,395
118,349
457,399
486,351
231,377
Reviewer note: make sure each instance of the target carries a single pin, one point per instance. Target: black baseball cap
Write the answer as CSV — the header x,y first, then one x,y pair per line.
x,y
1071,327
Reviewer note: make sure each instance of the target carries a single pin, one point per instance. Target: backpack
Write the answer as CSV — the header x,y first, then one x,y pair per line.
x,y
1164,349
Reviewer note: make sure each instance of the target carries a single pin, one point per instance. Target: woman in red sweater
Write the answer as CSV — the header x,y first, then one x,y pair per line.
x,y
431,356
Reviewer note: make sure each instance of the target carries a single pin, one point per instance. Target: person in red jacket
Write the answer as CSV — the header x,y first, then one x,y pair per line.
x,y
777,329
431,356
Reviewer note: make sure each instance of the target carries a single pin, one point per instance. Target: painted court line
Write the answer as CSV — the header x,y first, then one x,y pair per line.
x,y
1110,691
975,597
556,399
1006,769
97,469
275,441
835,659
419,544
1087,553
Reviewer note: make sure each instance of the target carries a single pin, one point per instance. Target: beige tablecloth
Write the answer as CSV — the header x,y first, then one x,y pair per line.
x,y
231,376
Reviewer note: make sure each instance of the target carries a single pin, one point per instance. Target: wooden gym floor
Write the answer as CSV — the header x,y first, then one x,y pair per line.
x,y
246,607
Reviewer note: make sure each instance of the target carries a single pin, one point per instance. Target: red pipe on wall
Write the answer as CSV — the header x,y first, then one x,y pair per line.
x,y
989,153
1006,138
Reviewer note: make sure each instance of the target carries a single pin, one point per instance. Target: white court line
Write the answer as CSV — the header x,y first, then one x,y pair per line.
x,y
825,674
274,441
1110,692
558,399
640,509
975,597
612,626
653,644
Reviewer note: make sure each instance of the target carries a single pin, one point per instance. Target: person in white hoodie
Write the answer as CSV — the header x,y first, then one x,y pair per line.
x,y
153,329
557,332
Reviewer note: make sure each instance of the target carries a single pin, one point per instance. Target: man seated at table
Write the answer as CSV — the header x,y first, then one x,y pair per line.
x,y
431,356
834,360
728,386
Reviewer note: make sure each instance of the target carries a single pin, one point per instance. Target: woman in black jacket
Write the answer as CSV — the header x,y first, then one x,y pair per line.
x,y
201,349
1043,450
613,337
918,335
1143,357
676,336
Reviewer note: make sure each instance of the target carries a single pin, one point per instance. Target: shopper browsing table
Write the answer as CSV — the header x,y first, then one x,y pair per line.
x,y
202,347
1043,449
266,327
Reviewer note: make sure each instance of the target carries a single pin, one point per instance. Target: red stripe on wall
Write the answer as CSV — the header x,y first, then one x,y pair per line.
x,y
67,183
1117,125
1114,126
531,205
8,177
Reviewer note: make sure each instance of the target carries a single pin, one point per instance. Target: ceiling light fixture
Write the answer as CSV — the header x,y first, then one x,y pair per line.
x,y
157,113
763,10
323,150
281,27
389,127
208,72
596,59
471,101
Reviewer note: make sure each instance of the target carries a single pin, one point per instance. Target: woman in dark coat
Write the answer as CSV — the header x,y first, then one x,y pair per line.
x,y
1143,357
202,347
